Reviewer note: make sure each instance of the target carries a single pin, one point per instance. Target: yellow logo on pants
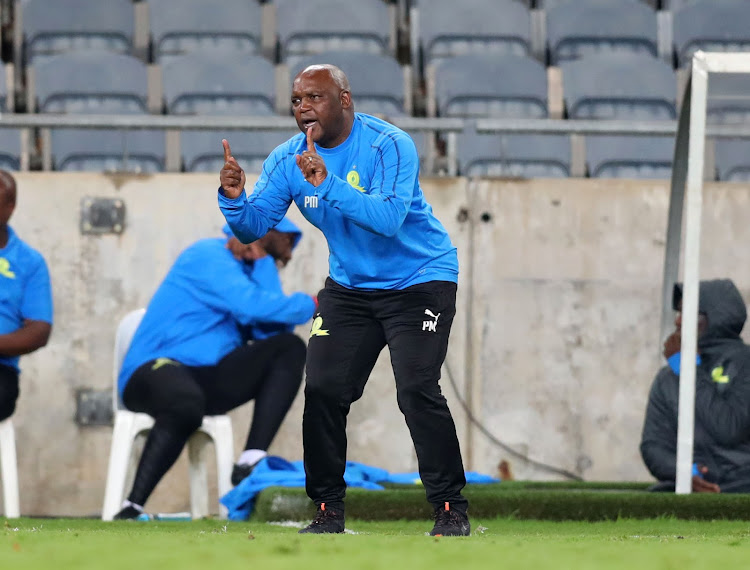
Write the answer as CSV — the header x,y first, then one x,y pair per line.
x,y
317,328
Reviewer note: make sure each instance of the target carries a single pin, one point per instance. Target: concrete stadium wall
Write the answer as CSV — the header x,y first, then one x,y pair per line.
x,y
554,345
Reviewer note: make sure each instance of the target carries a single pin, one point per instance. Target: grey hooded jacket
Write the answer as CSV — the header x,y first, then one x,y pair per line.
x,y
722,397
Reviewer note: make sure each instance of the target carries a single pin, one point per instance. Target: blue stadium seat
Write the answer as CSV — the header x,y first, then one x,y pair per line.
x,y
517,156
198,26
619,86
53,27
491,85
711,25
202,150
590,27
10,149
219,84
733,160
97,82
728,98
306,27
377,81
448,28
634,157
136,151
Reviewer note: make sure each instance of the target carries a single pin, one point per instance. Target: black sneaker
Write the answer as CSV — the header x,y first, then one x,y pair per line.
x,y
240,472
128,514
325,522
449,522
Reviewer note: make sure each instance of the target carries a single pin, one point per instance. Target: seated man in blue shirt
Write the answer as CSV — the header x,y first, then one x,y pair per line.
x,y
25,299
190,356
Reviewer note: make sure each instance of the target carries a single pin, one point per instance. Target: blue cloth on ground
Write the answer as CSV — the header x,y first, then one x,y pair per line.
x,y
276,471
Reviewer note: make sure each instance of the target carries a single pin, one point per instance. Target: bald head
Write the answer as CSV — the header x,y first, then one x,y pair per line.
x,y
338,77
7,197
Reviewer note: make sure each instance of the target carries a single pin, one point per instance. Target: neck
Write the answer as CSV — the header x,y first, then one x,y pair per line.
x,y
343,134
4,234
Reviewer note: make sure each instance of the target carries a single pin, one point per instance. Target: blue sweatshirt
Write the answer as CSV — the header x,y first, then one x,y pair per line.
x,y
196,314
25,291
381,232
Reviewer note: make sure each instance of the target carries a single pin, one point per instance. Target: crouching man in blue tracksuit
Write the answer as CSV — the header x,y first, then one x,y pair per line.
x,y
190,356
393,279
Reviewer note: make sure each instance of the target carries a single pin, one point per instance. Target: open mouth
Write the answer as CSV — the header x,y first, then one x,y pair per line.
x,y
309,123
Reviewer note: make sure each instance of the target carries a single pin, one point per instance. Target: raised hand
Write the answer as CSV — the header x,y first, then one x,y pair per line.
x,y
311,163
231,177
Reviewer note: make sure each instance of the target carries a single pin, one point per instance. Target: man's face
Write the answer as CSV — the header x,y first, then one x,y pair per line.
x,y
318,103
279,245
702,320
7,202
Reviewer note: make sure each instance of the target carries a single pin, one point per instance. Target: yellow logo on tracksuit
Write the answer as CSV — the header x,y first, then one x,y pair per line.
x,y
353,179
159,362
5,269
718,376
317,328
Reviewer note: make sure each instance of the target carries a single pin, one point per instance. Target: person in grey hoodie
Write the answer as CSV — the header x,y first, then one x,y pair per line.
x,y
722,397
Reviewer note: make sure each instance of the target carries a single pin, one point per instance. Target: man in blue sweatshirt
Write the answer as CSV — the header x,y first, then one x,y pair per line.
x,y
393,279
216,334
25,299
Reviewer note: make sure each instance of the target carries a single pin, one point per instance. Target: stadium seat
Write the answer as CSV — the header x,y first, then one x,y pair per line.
x,y
94,150
306,27
91,83
591,27
377,81
619,86
9,469
733,160
197,26
711,25
448,28
10,149
491,85
76,25
215,84
3,89
548,4
130,425
516,156
728,98
636,157
202,150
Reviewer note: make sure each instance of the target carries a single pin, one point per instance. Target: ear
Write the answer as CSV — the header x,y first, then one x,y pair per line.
x,y
346,99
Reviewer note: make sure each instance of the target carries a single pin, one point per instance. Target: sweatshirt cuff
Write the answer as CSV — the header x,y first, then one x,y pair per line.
x,y
230,202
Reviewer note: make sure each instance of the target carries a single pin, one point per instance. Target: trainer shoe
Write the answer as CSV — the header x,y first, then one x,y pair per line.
x,y
240,472
325,522
449,522
128,514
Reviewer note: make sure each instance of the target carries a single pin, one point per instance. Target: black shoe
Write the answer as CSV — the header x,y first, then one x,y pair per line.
x,y
325,521
449,522
128,514
240,472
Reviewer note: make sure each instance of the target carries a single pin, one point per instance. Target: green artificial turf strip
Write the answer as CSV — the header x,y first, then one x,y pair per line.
x,y
667,543
282,503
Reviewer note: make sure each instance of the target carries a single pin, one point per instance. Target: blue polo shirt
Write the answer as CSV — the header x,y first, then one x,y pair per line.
x,y
25,290
381,231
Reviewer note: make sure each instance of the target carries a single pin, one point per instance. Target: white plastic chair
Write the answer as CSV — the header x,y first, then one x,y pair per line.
x,y
9,469
130,425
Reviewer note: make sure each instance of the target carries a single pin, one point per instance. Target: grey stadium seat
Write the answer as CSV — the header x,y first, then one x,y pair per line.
x,y
589,27
52,27
377,81
549,4
728,98
448,28
619,86
137,151
306,27
10,149
629,157
187,26
711,25
202,150
216,84
92,83
518,156
733,160
490,85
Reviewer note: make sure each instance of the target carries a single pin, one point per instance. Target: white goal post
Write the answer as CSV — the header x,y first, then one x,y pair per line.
x,y
687,190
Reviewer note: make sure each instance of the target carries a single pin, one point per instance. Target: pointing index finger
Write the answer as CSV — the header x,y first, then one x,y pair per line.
x,y
310,143
227,150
